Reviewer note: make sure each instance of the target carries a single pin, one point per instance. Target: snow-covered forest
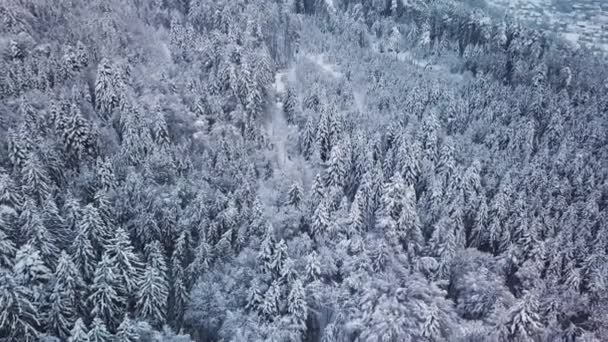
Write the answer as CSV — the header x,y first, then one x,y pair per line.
x,y
298,170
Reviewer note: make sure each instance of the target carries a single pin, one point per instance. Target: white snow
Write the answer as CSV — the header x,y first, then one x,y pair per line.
x,y
572,37
330,5
327,67
359,100
279,82
277,127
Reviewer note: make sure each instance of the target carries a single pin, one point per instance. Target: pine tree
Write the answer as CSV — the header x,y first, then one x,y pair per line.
x,y
393,196
155,257
295,195
83,254
52,220
266,252
127,331
40,238
96,230
289,105
79,332
270,303
313,266
180,296
254,297
10,194
99,332
357,216
77,136
317,191
126,262
105,301
152,296
279,257
160,130
60,314
20,146
321,219
523,322
307,142
29,269
7,249
106,98
18,314
35,178
324,135
409,226
296,304
82,55
105,175
337,167
68,278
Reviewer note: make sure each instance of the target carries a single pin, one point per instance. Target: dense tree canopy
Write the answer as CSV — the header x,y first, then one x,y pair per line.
x,y
306,170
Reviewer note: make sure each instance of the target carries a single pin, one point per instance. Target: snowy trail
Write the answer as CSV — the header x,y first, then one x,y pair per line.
x,y
277,127
325,66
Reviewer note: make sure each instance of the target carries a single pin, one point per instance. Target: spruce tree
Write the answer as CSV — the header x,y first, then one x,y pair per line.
x,y
106,98
83,254
126,262
19,319
296,304
29,268
79,332
60,313
105,301
99,332
295,195
289,105
337,167
68,278
152,296
97,231
127,331
7,249
35,179
307,140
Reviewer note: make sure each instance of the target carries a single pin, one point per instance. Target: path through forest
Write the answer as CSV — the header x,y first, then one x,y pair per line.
x,y
277,127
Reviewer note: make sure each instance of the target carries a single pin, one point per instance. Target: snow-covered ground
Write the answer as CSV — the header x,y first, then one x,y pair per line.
x,y
325,65
277,128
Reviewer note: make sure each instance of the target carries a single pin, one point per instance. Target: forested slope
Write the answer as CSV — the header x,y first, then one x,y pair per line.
x,y
302,170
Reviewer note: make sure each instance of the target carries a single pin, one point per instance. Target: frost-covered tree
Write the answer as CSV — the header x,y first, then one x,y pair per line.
x,y
337,167
321,219
126,262
60,314
29,268
295,195
77,136
19,318
152,296
296,304
79,332
127,331
7,249
522,322
308,138
99,332
290,103
106,97
35,178
83,254
96,230
105,301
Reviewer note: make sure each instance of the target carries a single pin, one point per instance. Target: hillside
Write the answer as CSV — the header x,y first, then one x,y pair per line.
x,y
302,170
